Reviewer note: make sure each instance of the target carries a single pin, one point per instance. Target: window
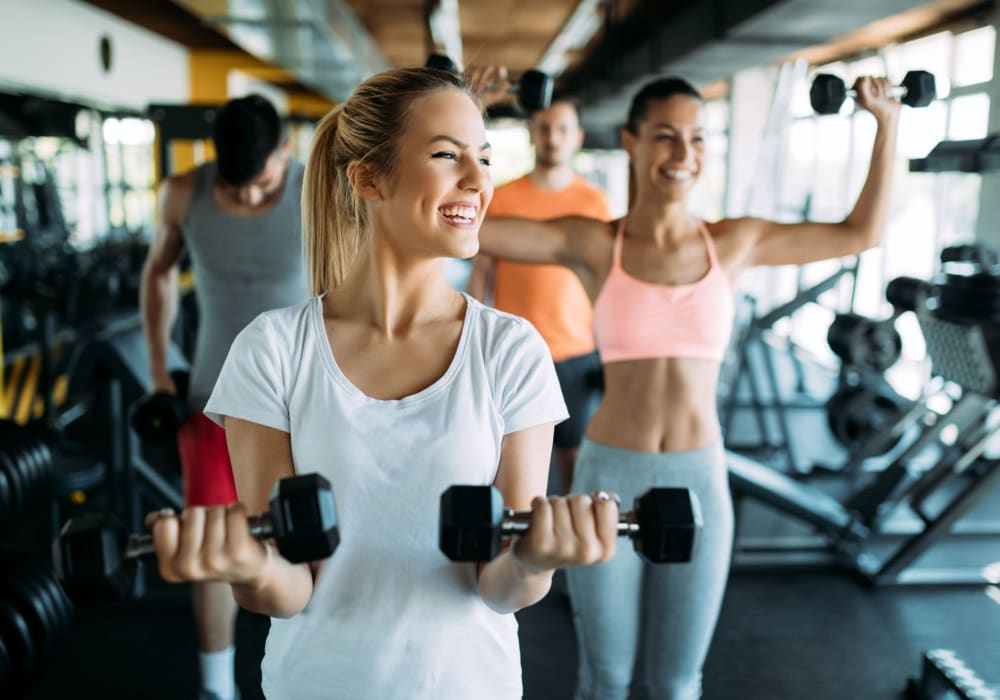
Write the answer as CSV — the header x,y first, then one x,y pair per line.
x,y
827,157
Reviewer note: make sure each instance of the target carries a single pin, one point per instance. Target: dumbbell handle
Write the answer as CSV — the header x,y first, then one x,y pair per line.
x,y
261,527
517,522
894,91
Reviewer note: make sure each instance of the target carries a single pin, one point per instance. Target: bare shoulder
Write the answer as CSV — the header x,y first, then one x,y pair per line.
x,y
735,227
175,195
737,232
734,239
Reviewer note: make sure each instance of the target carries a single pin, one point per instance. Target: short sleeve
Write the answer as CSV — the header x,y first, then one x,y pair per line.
x,y
527,387
601,209
251,384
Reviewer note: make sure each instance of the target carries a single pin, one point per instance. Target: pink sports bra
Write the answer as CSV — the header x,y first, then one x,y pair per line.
x,y
636,320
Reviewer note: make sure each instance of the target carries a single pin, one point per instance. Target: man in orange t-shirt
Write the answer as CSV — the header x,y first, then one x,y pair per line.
x,y
550,296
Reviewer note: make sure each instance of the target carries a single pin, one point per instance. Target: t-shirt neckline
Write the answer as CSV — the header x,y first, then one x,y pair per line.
x,y
424,394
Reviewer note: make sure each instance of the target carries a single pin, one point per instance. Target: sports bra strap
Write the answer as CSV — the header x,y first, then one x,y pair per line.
x,y
709,243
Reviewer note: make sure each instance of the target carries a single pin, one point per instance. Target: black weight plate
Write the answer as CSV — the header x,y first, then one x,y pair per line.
x,y
17,448
16,634
6,668
854,414
34,606
63,606
6,497
47,591
34,452
18,482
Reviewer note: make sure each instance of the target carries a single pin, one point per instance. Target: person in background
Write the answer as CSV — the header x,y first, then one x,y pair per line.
x,y
551,296
238,218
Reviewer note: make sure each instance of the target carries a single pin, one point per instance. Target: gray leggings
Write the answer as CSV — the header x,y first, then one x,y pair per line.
x,y
666,612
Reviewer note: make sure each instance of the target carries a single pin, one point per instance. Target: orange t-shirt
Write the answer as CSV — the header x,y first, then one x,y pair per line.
x,y
550,296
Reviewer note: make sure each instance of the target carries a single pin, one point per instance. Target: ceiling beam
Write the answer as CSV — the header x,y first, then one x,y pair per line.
x,y
579,29
305,36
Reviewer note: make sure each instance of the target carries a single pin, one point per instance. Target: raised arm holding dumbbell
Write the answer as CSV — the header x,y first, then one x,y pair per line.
x,y
533,88
828,92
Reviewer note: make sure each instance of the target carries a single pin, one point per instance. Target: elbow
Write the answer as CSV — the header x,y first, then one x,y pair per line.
x,y
864,237
871,238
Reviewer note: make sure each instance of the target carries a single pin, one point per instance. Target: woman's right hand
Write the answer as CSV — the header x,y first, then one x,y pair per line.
x,y
207,544
569,531
163,382
874,94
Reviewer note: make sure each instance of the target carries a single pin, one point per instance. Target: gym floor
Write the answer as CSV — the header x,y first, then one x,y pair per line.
x,y
816,634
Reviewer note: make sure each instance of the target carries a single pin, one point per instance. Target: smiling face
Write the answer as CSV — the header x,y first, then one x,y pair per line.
x,y
667,150
434,203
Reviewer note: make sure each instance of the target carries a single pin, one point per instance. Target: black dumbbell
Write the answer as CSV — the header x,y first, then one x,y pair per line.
x,y
474,520
865,342
25,471
157,417
909,294
533,90
96,558
828,92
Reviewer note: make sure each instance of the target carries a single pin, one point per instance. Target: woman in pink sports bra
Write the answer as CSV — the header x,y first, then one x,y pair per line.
x,y
661,282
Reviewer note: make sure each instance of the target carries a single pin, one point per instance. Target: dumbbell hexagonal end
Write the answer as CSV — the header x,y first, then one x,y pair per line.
x,y
441,62
535,90
304,518
89,558
921,88
668,520
157,418
827,93
470,525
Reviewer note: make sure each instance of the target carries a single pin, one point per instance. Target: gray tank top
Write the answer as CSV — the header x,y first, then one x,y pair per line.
x,y
242,266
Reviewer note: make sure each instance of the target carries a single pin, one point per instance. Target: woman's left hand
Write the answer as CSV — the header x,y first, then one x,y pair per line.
x,y
569,531
874,95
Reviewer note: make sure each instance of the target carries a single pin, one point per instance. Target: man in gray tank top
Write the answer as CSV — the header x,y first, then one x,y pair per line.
x,y
239,220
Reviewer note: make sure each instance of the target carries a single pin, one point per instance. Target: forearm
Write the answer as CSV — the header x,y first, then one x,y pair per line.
x,y
521,240
158,304
283,589
506,586
868,218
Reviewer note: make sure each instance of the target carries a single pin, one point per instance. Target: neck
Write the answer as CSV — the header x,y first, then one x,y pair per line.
x,y
556,177
394,294
664,221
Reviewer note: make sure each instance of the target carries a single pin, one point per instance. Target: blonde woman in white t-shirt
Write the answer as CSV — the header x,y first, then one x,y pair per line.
x,y
394,386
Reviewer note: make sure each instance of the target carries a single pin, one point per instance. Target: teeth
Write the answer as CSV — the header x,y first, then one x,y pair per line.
x,y
679,174
468,213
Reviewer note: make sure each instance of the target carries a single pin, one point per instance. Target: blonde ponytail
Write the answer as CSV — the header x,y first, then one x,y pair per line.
x,y
330,223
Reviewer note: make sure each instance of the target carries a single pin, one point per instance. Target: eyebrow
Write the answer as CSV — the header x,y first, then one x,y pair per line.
x,y
697,127
451,139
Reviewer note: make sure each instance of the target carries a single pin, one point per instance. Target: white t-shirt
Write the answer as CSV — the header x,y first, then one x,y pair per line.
x,y
390,616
